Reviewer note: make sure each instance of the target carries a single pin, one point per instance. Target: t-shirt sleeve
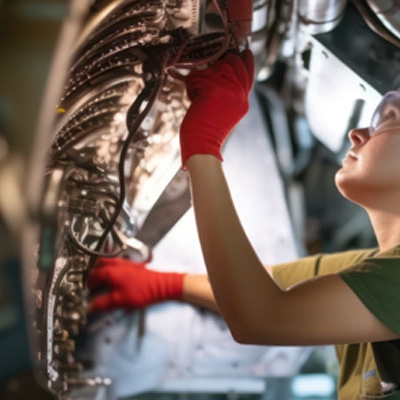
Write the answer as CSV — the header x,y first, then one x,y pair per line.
x,y
376,282
291,273
288,274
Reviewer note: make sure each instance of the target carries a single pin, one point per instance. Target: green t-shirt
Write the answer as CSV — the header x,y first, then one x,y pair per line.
x,y
367,370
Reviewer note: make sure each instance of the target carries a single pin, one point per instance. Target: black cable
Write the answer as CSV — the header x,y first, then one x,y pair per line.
x,y
134,119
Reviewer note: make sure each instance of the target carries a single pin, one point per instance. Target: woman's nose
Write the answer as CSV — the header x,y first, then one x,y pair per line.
x,y
359,136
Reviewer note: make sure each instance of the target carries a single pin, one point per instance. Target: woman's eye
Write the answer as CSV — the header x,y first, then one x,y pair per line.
x,y
387,117
381,119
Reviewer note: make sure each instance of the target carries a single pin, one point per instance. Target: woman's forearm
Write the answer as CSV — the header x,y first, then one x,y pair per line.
x,y
197,290
241,286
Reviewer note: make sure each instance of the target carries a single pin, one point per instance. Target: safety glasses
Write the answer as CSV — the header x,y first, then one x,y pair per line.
x,y
387,113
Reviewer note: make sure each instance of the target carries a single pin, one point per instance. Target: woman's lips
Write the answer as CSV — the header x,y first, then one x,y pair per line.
x,y
350,156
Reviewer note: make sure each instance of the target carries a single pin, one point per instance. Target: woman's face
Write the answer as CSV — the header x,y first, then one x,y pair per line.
x,y
372,165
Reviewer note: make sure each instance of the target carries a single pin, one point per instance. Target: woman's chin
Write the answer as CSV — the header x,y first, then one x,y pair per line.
x,y
340,179
344,184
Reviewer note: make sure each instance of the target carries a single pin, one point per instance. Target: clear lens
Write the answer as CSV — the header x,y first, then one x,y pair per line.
x,y
387,113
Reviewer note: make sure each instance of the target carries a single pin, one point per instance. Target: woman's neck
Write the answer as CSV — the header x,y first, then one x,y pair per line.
x,y
386,225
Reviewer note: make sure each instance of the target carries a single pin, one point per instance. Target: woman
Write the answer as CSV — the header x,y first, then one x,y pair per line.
x,y
349,299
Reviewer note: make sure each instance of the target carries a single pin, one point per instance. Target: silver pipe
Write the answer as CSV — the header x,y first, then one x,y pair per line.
x,y
375,24
316,16
388,12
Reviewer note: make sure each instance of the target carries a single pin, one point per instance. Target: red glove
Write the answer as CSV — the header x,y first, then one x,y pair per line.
x,y
219,96
131,285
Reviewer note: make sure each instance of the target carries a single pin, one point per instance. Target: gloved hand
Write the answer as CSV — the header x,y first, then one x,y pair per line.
x,y
219,96
131,285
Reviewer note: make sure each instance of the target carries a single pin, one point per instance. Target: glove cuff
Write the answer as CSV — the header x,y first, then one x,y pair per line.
x,y
184,160
172,289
